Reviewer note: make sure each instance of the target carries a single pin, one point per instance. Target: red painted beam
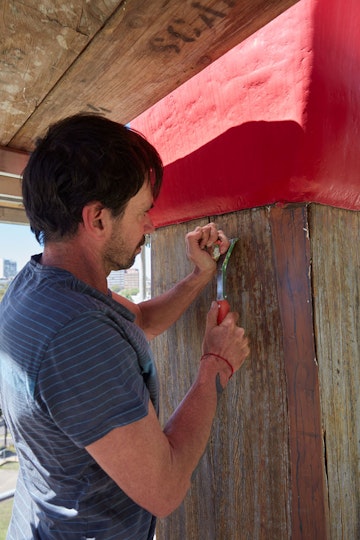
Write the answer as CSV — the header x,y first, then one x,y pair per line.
x,y
246,166
274,120
332,144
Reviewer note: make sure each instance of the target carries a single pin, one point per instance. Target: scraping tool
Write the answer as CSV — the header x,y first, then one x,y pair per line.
x,y
224,306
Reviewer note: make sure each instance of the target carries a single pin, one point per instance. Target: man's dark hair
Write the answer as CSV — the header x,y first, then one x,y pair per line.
x,y
82,159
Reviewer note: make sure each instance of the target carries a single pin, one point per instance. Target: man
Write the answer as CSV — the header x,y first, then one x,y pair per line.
x,y
78,384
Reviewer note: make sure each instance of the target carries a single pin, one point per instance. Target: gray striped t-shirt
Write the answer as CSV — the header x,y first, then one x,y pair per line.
x,y
73,366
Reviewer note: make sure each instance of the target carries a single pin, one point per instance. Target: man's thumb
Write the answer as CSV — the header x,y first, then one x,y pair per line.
x,y
213,314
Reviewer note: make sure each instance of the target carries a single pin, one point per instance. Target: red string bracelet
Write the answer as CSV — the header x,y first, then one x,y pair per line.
x,y
221,358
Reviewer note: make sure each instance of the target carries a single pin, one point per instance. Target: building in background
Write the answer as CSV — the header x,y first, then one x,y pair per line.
x,y
124,279
131,278
8,269
116,280
138,277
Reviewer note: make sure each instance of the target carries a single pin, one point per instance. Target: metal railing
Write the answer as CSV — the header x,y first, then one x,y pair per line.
x,y
6,456
7,495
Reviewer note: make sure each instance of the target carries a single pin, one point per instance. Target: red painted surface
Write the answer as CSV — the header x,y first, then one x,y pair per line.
x,y
275,120
333,109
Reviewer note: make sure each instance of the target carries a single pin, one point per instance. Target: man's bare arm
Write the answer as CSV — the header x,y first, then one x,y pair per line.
x,y
154,466
158,314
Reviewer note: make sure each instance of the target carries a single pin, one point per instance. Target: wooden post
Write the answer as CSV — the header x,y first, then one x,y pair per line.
x,y
290,232
264,475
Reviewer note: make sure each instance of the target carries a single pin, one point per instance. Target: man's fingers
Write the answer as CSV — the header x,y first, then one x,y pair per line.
x,y
212,315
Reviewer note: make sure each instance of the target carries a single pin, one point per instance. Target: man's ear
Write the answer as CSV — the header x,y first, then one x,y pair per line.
x,y
96,218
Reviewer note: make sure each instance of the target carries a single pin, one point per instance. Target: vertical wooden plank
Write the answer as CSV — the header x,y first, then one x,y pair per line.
x,y
335,235
292,264
177,354
241,487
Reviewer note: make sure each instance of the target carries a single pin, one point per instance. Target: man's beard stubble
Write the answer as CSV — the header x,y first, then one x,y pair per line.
x,y
116,250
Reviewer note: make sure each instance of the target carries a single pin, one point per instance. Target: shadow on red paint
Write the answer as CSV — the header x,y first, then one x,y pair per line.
x,y
254,164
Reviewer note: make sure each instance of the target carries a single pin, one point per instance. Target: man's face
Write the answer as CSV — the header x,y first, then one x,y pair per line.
x,y
129,230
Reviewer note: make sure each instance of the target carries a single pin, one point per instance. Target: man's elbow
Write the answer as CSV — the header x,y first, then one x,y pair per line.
x,y
167,501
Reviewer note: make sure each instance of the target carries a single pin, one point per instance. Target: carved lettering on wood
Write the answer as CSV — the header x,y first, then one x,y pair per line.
x,y
181,31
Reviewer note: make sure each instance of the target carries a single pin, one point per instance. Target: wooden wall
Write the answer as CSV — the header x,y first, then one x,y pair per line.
x,y
335,241
283,457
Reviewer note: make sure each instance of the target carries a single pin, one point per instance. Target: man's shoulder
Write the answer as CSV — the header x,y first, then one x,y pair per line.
x,y
49,298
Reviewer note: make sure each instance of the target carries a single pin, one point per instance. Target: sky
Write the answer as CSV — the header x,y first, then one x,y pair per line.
x,y
18,243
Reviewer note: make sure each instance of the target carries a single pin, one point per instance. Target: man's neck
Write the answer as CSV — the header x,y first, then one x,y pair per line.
x,y
80,260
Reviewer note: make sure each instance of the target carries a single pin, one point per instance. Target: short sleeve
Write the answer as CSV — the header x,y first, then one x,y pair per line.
x,y
90,381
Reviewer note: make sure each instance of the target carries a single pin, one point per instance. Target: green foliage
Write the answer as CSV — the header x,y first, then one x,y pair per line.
x,y
5,515
3,288
116,288
6,506
129,293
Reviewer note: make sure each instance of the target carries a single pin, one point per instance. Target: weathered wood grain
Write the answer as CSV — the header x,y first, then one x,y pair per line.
x,y
241,487
39,41
117,58
290,234
335,235
263,474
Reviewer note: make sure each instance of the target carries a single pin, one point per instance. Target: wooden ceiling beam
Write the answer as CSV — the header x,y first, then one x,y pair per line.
x,y
12,162
143,52
117,60
15,216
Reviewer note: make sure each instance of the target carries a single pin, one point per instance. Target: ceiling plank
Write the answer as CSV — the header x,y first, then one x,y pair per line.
x,y
10,188
144,52
38,42
12,162
16,216
11,203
